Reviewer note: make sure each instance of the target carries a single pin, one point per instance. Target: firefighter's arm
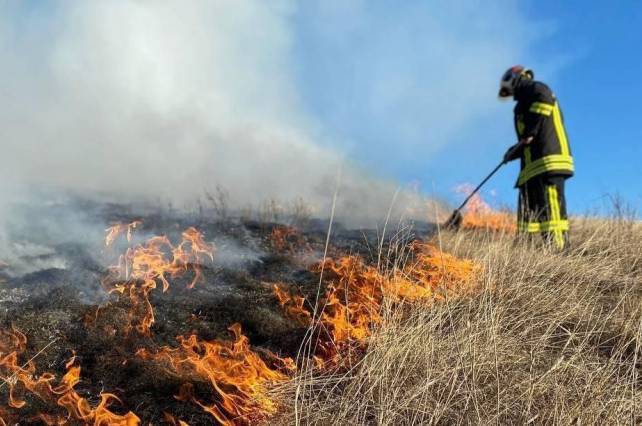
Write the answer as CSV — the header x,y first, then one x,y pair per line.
x,y
532,123
539,109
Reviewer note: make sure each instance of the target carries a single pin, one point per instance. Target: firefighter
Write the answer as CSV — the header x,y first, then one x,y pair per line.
x,y
544,153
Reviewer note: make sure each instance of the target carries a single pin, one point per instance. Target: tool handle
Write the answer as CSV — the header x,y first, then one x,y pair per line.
x,y
490,175
474,191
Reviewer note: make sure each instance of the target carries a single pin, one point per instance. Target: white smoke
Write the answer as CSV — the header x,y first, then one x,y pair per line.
x,y
165,99
158,98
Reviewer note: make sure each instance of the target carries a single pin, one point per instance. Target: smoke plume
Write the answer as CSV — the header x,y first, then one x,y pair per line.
x,y
163,100
156,98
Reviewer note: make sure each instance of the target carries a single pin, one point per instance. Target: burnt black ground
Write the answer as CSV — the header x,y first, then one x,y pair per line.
x,y
54,302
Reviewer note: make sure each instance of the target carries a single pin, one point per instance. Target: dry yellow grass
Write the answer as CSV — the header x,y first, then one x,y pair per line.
x,y
548,338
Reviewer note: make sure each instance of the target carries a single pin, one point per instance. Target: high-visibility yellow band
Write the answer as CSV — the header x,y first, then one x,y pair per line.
x,y
541,111
559,130
547,226
549,163
552,166
555,216
541,108
543,105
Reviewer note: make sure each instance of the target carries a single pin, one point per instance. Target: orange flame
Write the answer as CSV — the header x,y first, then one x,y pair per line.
x,y
238,376
479,215
356,292
292,305
286,239
20,379
143,267
442,273
173,421
79,408
114,231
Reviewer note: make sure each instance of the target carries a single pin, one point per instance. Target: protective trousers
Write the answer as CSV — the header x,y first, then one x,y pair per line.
x,y
542,209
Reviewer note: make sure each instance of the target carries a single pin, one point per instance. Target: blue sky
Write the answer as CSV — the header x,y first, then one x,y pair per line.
x,y
589,52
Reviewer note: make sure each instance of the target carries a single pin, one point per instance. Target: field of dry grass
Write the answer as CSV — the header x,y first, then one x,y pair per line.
x,y
546,338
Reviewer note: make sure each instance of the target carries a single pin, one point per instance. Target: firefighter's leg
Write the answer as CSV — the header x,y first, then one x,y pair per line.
x,y
556,227
522,207
531,207
561,197
523,215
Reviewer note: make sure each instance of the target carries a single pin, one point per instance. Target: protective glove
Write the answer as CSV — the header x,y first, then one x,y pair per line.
x,y
512,153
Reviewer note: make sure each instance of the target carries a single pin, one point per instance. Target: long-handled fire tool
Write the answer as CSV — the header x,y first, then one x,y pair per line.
x,y
455,219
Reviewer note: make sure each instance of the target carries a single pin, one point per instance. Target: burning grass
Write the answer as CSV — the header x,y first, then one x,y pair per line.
x,y
478,214
60,397
352,305
143,267
236,375
411,334
546,338
226,378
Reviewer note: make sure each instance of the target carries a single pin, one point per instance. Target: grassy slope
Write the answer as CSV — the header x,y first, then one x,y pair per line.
x,y
549,338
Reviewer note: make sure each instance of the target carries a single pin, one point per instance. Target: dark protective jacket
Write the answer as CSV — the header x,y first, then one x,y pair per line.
x,y
538,115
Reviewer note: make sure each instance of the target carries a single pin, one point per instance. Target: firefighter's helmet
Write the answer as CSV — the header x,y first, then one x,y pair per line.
x,y
511,77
